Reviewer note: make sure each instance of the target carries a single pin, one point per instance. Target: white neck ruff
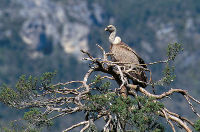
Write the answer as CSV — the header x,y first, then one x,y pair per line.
x,y
117,40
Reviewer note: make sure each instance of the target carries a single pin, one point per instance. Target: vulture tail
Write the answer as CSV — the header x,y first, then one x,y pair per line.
x,y
141,76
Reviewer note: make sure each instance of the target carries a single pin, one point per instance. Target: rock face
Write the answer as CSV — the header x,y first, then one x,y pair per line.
x,y
74,38
48,23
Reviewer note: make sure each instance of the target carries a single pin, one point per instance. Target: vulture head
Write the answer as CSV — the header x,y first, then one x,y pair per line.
x,y
113,39
110,28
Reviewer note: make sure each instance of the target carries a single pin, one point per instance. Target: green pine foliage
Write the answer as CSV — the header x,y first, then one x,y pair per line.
x,y
140,113
8,95
168,73
101,85
26,89
10,129
173,50
18,126
197,125
47,78
34,115
25,86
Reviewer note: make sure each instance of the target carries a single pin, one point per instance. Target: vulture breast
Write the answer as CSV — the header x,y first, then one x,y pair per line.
x,y
123,53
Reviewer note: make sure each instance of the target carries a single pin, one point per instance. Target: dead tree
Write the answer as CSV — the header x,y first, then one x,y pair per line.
x,y
73,96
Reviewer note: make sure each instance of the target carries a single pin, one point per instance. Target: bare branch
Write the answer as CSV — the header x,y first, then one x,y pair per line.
x,y
172,126
71,96
76,125
178,116
105,129
86,127
195,100
177,120
163,95
187,98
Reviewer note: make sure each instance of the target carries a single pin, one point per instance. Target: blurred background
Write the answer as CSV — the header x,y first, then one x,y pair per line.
x,y
37,36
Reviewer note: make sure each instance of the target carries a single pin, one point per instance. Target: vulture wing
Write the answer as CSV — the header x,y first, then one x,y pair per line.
x,y
125,46
123,53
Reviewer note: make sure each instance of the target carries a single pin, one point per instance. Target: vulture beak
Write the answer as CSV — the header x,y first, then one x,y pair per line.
x,y
106,29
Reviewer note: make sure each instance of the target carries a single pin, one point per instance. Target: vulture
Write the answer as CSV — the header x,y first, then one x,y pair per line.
x,y
121,52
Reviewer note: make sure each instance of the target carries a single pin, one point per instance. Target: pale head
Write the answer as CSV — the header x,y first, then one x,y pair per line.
x,y
113,39
110,28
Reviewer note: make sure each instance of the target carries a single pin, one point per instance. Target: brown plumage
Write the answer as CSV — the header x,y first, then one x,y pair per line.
x,y
121,52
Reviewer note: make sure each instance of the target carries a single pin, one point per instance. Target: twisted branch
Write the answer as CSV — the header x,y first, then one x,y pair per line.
x,y
72,95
